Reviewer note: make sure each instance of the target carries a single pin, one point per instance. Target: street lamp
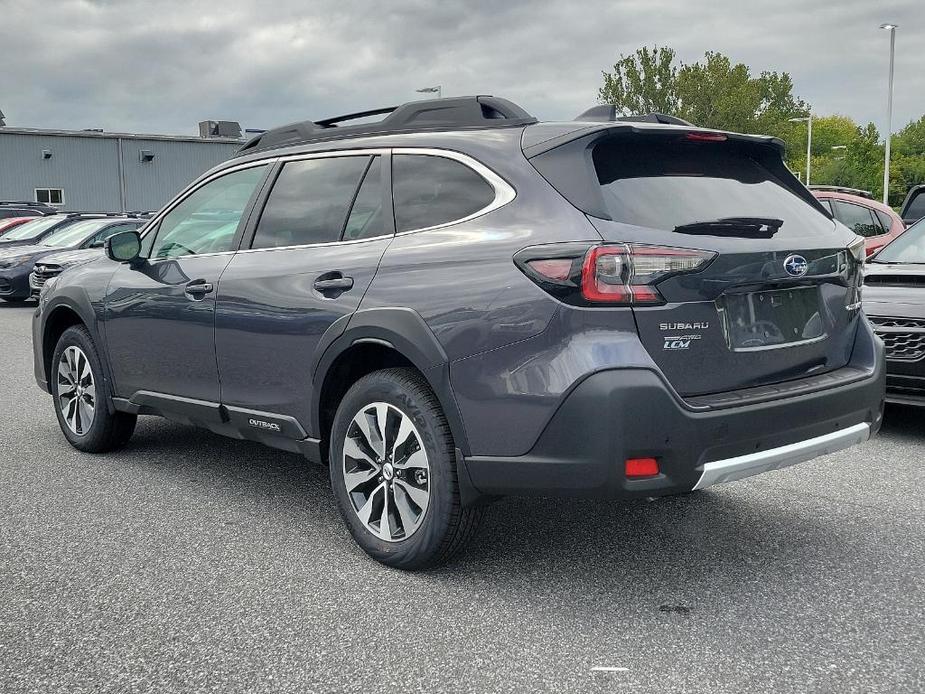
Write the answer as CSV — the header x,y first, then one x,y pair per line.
x,y
437,89
809,140
889,114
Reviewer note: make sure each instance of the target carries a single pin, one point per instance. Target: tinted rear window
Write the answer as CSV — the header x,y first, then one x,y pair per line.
x,y
665,185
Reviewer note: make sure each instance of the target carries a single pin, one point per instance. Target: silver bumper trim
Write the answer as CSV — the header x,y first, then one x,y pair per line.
x,y
732,469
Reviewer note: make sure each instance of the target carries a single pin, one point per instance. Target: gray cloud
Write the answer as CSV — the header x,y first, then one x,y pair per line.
x,y
163,65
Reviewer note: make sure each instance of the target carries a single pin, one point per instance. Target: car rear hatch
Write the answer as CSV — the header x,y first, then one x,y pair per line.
x,y
759,285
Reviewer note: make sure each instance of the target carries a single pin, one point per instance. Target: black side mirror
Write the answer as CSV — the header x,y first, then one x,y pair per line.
x,y
123,247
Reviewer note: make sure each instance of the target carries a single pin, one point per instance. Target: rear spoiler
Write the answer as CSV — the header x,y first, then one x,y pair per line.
x,y
565,160
644,127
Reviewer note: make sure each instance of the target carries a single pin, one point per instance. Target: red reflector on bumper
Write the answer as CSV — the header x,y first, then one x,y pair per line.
x,y
641,467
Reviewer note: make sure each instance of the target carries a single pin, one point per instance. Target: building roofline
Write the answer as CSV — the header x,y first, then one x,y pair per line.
x,y
7,130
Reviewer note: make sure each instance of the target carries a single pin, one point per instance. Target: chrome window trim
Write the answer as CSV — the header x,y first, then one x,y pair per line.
x,y
504,192
326,244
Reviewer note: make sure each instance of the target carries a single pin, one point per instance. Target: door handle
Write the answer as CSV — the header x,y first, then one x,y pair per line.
x,y
198,289
333,284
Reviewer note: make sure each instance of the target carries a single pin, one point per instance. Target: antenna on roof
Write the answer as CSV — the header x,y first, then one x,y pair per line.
x,y
2,119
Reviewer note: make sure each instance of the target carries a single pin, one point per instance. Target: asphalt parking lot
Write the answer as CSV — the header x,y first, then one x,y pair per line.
x,y
189,562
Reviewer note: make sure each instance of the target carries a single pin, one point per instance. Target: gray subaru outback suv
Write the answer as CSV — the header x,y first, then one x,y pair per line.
x,y
458,303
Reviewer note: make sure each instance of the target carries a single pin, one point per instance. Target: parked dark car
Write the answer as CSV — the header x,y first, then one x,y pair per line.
x,y
20,208
458,303
54,264
876,222
913,208
32,232
16,262
894,299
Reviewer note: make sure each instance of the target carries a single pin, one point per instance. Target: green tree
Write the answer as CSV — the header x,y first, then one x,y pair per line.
x,y
643,82
910,140
713,93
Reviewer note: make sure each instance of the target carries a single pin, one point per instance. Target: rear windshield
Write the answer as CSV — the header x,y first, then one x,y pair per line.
x,y
665,185
909,247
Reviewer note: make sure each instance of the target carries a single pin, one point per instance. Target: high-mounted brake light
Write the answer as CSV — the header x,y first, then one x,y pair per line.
x,y
706,137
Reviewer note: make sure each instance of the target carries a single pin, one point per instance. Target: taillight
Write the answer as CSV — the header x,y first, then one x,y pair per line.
x,y
627,274
617,274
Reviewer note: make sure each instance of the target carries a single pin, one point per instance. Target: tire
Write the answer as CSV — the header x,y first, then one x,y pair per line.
x,y
76,363
418,533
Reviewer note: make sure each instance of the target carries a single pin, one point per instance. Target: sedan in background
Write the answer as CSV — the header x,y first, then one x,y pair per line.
x,y
894,301
876,222
17,262
54,264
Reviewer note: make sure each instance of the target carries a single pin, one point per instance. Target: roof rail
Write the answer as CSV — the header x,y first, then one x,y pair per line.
x,y
24,203
606,113
430,115
843,189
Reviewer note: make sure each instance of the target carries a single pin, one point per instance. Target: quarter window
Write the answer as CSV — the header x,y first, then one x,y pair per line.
x,y
885,220
431,190
309,202
857,218
207,220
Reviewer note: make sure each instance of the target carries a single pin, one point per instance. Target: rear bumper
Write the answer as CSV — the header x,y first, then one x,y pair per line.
x,y
632,413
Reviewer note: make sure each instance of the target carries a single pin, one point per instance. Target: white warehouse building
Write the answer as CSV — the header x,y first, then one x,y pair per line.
x,y
91,170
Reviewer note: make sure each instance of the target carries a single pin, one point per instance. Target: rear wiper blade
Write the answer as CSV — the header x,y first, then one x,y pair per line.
x,y
754,227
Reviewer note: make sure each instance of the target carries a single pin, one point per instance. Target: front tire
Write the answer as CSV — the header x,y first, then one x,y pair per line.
x,y
80,396
393,471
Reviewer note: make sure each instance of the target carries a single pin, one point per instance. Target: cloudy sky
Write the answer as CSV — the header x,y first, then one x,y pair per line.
x,y
161,66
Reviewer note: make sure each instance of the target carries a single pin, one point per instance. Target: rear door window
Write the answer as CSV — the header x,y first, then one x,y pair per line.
x,y
309,202
431,190
666,185
367,218
857,218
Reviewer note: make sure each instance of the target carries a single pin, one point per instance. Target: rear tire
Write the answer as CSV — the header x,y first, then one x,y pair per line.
x,y
81,398
403,507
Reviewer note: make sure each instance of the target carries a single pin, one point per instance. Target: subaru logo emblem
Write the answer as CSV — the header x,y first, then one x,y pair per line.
x,y
796,265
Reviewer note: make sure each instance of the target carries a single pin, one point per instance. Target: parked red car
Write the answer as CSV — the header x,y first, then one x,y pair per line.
x,y
10,222
856,209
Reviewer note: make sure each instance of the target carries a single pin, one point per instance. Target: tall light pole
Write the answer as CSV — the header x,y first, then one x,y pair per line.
x,y
889,114
809,141
436,89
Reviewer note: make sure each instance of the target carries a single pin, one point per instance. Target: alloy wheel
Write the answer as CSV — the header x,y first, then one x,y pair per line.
x,y
76,390
386,472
